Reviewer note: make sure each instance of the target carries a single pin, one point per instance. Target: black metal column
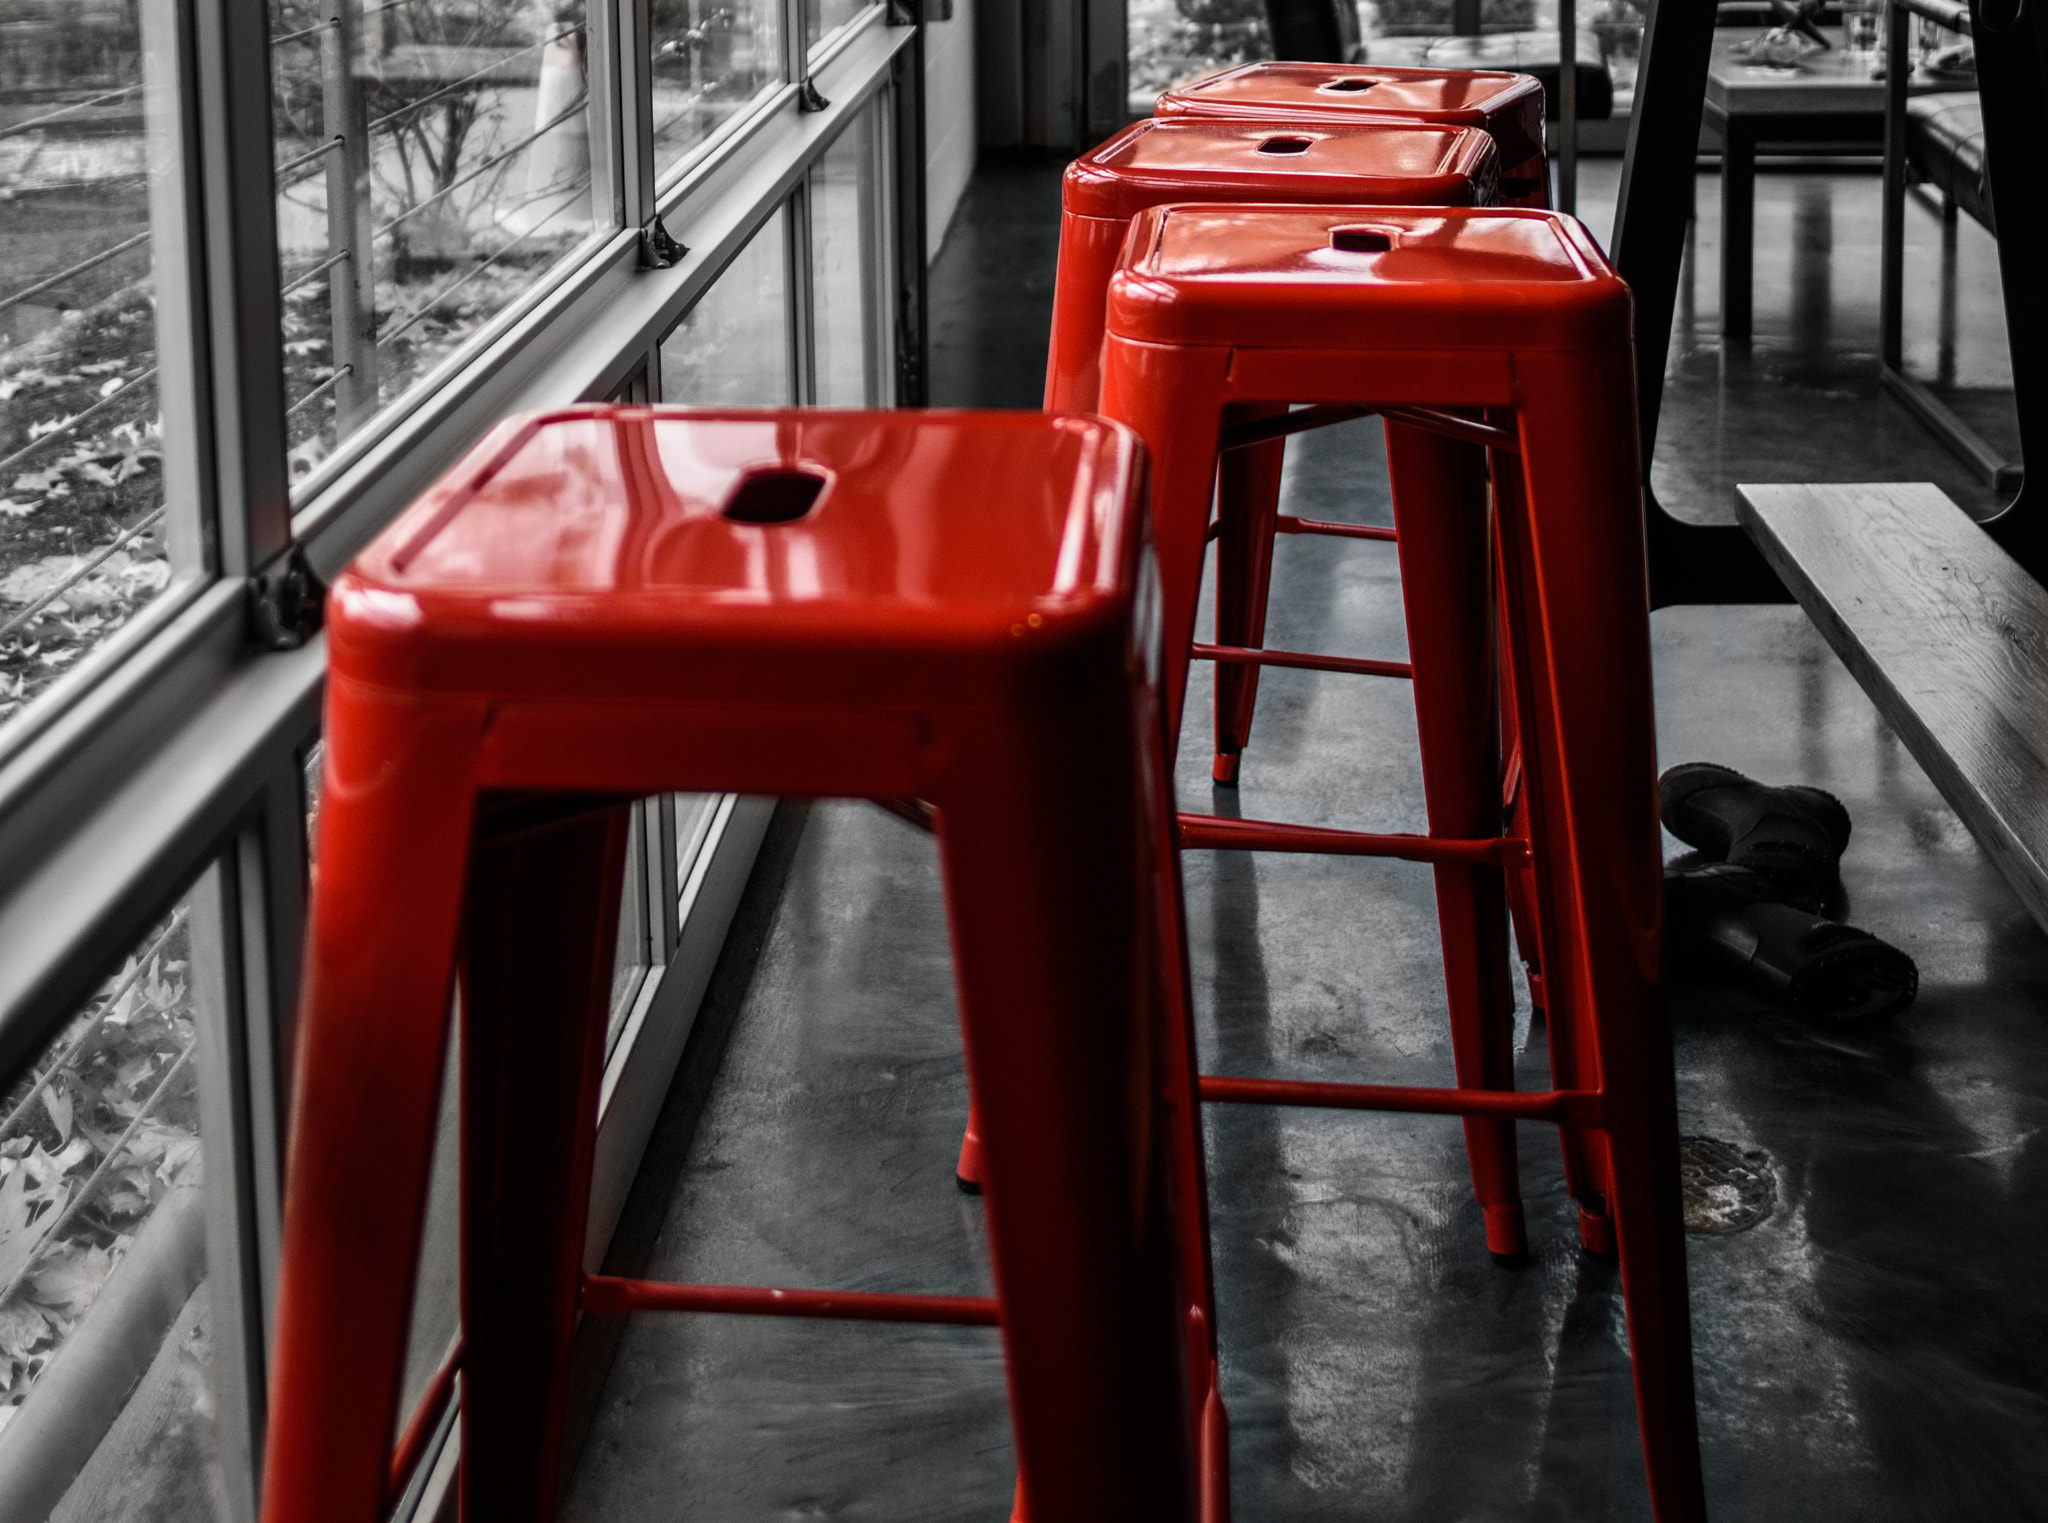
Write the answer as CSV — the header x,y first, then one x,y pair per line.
x,y
1689,563
1307,31
2012,86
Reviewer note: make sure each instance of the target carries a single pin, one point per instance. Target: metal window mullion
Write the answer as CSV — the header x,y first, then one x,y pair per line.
x,y
273,875
239,1380
663,883
619,71
239,216
911,308
876,282
177,242
799,304
796,61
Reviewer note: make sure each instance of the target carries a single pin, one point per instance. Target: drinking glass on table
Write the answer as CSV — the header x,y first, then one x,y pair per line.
x,y
1860,25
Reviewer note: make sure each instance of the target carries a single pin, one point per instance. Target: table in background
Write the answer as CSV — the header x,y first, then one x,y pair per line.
x,y
1826,103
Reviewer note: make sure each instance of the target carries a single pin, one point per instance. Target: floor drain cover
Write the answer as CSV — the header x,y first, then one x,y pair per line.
x,y
1725,1188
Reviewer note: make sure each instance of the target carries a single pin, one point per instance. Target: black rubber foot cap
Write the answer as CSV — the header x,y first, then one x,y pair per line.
x,y
1511,1260
967,1186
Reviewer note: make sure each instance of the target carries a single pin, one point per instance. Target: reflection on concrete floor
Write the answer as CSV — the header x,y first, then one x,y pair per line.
x,y
1873,1349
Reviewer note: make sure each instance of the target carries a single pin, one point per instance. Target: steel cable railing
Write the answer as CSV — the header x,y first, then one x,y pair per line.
x,y
482,169
84,570
346,158
62,1219
72,424
467,80
421,309
330,24
340,374
91,261
307,277
45,187
106,1007
311,156
16,128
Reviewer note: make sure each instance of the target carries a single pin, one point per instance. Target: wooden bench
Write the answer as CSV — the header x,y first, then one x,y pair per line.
x,y
1947,635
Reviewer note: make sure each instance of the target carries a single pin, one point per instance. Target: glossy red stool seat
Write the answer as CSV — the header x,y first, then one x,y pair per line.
x,y
604,603
1494,341
1508,107
1154,163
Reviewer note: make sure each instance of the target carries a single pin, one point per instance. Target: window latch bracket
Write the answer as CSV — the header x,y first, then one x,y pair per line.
x,y
658,248
287,604
808,98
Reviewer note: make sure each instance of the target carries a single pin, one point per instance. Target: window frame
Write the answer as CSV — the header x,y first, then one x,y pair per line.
x,y
174,754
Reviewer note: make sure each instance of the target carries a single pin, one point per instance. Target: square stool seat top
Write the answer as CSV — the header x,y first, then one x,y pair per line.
x,y
1367,278
627,553
1510,106
1409,164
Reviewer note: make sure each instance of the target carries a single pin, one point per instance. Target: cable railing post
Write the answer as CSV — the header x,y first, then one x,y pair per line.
x,y
351,285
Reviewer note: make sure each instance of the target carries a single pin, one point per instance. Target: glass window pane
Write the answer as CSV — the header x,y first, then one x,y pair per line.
x,y
695,815
102,1190
845,260
732,348
1173,41
823,17
433,164
712,59
82,520
634,955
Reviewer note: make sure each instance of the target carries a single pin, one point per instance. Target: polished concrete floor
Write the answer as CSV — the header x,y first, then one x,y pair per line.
x,y
1875,1348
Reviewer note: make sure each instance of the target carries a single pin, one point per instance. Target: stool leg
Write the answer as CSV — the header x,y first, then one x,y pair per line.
x,y
1649,1228
1522,910
373,1023
1247,503
1188,1191
968,1169
1530,182
1175,400
540,937
1446,541
1056,951
1585,607
1573,1063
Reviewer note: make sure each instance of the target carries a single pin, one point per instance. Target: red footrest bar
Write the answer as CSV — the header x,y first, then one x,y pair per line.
x,y
1243,655
911,811
1579,1106
1323,414
1287,523
1299,421
412,1443
608,1293
1471,430
1219,833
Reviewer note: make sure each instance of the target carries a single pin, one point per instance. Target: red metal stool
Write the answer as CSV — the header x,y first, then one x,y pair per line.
x,y
1152,163
604,603
1509,107
1492,341
1290,100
